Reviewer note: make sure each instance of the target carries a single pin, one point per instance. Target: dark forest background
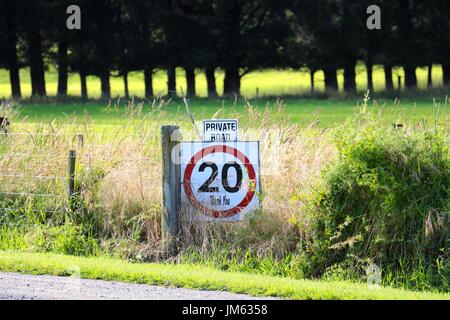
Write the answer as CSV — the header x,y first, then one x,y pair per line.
x,y
237,36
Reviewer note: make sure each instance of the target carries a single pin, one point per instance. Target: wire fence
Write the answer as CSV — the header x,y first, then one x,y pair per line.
x,y
85,148
19,176
32,155
22,150
12,209
88,150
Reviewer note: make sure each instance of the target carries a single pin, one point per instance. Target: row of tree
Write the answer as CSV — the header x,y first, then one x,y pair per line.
x,y
238,36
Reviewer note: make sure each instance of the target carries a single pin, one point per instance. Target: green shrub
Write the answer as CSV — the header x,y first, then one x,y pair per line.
x,y
227,258
12,238
66,239
384,201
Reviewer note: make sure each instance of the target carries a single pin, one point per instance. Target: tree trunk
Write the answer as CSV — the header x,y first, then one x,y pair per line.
x,y
35,58
389,85
171,81
369,68
407,33
349,75
105,85
348,41
190,80
125,85
331,83
148,81
211,82
11,48
311,80
446,73
62,68
84,92
430,76
232,82
410,77
232,52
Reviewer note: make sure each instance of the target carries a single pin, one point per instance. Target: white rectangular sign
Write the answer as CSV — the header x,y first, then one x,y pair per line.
x,y
220,181
220,130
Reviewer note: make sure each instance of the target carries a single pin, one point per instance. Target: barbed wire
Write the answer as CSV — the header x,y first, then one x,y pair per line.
x,y
32,210
27,225
87,145
74,135
49,195
80,157
50,155
124,159
102,134
82,125
157,137
34,177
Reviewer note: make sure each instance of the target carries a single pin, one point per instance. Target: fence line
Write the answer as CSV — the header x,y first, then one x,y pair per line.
x,y
87,144
27,225
32,155
145,135
31,134
90,156
58,125
49,195
84,155
32,210
34,177
73,135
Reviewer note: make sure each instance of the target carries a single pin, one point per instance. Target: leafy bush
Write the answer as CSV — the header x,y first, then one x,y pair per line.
x,y
384,201
225,257
65,239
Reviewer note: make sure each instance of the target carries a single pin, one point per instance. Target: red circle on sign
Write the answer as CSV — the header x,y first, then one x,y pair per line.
x,y
216,149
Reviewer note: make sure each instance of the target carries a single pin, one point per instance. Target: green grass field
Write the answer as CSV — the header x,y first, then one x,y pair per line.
x,y
199,277
394,107
302,111
269,82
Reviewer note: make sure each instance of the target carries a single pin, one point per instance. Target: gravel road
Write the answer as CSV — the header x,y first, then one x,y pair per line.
x,y
14,286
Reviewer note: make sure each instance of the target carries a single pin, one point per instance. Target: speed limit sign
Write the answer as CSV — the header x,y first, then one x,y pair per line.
x,y
220,180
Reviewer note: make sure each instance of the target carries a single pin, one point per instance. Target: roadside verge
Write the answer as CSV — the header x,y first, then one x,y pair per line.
x,y
198,277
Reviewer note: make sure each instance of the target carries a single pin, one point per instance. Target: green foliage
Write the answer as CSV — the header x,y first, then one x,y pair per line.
x,y
421,277
386,201
12,238
226,258
199,277
65,239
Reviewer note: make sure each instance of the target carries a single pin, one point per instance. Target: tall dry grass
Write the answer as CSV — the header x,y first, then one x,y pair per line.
x,y
118,179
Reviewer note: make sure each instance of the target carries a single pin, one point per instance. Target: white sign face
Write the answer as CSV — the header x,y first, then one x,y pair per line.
x,y
220,179
220,130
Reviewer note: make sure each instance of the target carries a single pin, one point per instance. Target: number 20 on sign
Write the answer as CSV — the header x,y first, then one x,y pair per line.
x,y
220,180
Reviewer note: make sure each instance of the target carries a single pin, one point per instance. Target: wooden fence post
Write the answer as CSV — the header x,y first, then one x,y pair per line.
x,y
171,184
71,174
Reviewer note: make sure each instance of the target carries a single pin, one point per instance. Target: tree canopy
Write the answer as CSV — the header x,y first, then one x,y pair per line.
x,y
237,36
